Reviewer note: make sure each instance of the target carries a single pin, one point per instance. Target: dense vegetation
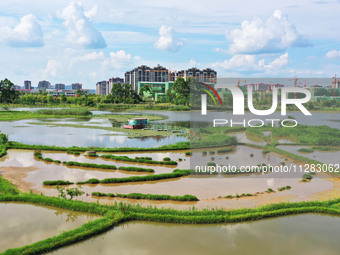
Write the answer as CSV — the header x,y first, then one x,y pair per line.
x,y
306,150
7,92
136,169
138,160
72,111
91,165
147,196
175,174
302,134
176,146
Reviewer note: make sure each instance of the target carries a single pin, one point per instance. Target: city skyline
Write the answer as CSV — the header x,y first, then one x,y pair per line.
x,y
67,42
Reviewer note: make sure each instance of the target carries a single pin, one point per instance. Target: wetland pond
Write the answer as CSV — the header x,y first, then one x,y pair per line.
x,y
23,223
27,173
310,234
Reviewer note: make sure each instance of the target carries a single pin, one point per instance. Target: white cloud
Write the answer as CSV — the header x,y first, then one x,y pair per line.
x,y
93,74
194,63
81,32
240,63
333,54
273,35
167,40
92,13
278,62
27,33
52,68
92,56
219,50
119,59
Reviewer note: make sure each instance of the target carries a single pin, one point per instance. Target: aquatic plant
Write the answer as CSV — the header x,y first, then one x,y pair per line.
x,y
147,196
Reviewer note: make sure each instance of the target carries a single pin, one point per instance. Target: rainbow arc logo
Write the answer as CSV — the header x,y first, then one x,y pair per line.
x,y
214,91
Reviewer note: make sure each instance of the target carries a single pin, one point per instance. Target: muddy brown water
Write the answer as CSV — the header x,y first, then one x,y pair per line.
x,y
23,224
27,173
310,234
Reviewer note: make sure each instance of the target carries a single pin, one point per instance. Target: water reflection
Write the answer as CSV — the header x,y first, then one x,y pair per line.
x,y
23,224
302,234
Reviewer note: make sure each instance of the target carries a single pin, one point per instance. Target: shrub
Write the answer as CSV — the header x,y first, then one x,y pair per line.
x,y
93,181
146,158
166,159
175,174
306,150
188,153
91,165
136,169
148,196
58,182
226,150
307,177
138,160
75,111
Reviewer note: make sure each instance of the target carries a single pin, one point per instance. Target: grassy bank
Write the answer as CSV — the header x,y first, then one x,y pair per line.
x,y
50,113
7,188
176,146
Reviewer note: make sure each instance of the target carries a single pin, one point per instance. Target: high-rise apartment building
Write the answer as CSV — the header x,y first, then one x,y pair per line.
x,y
76,86
112,81
44,85
59,86
161,74
27,85
101,88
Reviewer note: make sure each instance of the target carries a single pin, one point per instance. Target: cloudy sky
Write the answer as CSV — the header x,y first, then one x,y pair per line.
x,y
65,42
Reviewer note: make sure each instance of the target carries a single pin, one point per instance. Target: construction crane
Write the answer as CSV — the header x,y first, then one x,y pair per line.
x,y
238,82
295,83
335,81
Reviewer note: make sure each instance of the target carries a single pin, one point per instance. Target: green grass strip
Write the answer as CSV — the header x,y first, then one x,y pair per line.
x,y
147,196
70,237
176,146
138,160
6,187
136,169
102,166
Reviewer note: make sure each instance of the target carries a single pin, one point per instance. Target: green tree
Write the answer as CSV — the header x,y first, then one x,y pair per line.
x,y
182,90
70,192
7,92
3,138
117,93
145,89
63,98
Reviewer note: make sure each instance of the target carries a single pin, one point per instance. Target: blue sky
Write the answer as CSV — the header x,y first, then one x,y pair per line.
x,y
90,41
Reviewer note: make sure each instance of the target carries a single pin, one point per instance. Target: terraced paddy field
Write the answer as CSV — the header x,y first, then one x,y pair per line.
x,y
119,183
